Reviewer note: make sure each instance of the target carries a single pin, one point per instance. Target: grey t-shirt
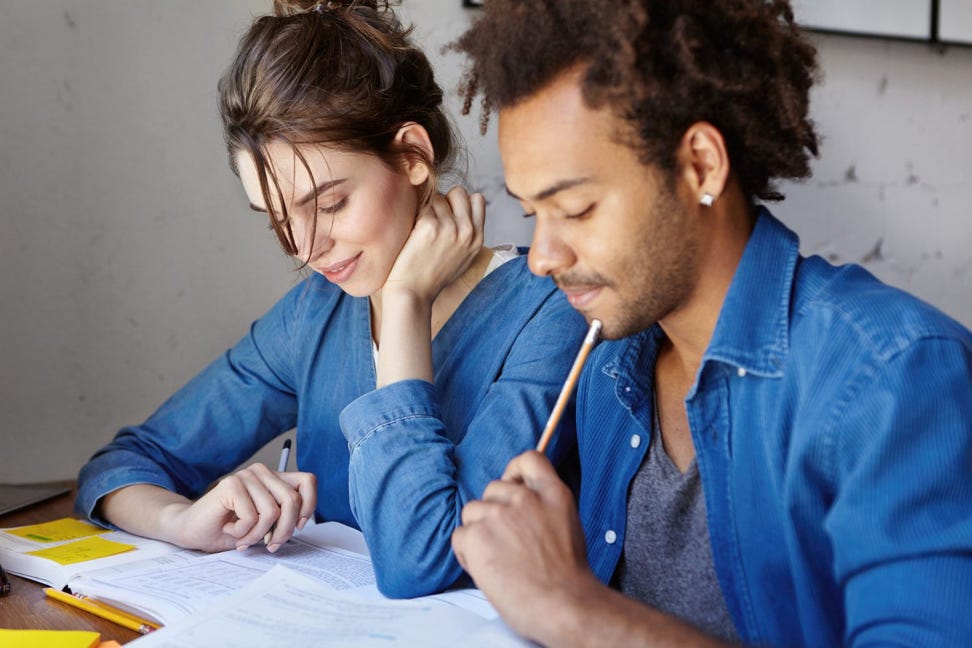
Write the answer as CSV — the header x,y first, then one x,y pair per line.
x,y
666,561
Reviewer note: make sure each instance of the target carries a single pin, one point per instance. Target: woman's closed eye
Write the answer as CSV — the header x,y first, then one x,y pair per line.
x,y
335,208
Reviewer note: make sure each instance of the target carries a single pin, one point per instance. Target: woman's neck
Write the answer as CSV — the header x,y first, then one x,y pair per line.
x,y
449,298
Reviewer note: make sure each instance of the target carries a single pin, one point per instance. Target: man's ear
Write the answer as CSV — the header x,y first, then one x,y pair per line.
x,y
417,153
704,160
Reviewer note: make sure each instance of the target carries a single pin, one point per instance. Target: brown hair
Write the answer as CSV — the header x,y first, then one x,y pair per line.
x,y
661,65
343,74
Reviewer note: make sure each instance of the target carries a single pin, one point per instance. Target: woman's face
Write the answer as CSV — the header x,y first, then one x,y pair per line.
x,y
364,210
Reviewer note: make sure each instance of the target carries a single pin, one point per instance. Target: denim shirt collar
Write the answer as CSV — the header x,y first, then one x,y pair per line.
x,y
752,332
630,362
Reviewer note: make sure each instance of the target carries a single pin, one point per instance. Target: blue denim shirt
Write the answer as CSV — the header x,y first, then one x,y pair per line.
x,y
418,451
832,422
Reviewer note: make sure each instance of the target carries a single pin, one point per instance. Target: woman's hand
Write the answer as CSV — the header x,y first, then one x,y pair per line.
x,y
235,513
446,238
243,507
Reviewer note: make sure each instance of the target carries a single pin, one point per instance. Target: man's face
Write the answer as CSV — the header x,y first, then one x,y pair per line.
x,y
618,240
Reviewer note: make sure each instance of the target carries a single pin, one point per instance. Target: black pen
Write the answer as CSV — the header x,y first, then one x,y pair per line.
x,y
284,457
4,582
281,467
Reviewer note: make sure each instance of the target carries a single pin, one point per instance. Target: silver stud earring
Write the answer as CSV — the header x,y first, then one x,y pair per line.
x,y
707,199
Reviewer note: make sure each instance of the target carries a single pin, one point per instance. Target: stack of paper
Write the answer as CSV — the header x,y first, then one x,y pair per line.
x,y
283,607
319,589
56,552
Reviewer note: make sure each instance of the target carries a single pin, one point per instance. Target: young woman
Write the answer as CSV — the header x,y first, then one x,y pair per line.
x,y
413,362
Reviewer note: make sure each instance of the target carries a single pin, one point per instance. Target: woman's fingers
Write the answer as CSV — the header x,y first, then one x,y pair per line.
x,y
446,237
478,204
306,485
296,499
262,499
467,213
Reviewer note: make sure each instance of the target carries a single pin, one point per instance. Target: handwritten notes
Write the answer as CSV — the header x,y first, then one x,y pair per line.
x,y
82,550
89,547
57,530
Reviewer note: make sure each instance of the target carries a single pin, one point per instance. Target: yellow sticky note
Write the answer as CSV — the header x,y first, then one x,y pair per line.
x,y
48,638
57,530
82,550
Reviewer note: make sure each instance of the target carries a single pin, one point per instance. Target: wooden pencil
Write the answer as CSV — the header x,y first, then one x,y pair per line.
x,y
568,388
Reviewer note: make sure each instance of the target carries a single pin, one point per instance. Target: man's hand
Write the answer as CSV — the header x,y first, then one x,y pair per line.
x,y
523,545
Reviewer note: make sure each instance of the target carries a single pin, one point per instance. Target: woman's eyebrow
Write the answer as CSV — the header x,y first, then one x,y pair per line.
x,y
313,193
317,191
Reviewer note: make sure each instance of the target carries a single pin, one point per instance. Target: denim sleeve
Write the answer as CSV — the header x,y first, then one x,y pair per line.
x,y
901,520
409,480
211,425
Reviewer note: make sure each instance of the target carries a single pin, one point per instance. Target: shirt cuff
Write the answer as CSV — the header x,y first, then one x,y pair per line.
x,y
91,491
388,406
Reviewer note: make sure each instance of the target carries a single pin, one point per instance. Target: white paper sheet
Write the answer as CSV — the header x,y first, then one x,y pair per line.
x,y
168,590
283,607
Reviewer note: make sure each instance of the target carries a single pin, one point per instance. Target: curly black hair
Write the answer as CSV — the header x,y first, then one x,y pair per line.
x,y
661,65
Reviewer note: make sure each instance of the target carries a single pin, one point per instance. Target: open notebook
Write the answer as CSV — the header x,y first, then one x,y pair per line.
x,y
164,584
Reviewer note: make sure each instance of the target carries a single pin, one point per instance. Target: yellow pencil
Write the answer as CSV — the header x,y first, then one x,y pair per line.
x,y
568,387
103,610
112,608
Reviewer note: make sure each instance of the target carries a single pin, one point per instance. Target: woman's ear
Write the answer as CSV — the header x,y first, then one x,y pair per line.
x,y
705,160
416,150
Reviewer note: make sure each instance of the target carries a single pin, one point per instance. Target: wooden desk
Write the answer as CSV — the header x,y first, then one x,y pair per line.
x,y
27,608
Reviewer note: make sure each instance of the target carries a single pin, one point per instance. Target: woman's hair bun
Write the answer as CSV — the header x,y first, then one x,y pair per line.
x,y
293,7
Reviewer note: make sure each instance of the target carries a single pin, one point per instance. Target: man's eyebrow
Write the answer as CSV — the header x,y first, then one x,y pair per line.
x,y
313,193
553,189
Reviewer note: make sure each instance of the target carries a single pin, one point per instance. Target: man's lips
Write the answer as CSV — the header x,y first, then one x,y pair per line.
x,y
580,296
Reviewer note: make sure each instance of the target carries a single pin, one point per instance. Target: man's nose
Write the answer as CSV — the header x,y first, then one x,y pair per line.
x,y
549,254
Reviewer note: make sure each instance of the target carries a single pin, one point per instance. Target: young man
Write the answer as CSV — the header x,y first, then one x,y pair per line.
x,y
774,450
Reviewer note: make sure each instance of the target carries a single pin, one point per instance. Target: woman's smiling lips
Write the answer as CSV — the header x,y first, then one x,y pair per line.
x,y
342,270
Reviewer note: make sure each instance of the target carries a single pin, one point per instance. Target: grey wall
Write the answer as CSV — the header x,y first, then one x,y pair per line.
x,y
128,258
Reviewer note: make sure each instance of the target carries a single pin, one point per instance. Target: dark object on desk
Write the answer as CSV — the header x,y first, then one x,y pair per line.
x,y
4,583
17,496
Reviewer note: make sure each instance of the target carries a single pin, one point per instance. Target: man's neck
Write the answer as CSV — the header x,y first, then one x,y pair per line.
x,y
690,327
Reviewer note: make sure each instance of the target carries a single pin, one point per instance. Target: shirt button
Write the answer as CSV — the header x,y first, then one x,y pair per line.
x,y
627,390
635,440
610,537
741,372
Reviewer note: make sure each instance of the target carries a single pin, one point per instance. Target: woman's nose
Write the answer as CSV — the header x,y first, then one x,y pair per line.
x,y
312,239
